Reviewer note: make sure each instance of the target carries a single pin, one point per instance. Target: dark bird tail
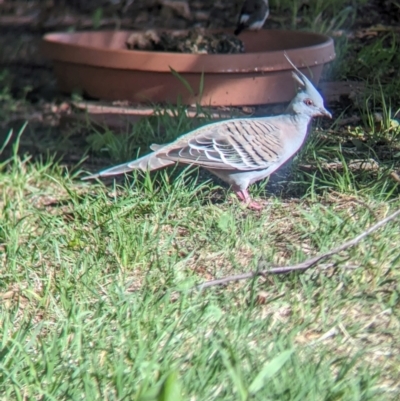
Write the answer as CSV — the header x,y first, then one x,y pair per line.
x,y
239,29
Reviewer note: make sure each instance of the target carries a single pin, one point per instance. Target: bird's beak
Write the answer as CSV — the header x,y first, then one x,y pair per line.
x,y
325,112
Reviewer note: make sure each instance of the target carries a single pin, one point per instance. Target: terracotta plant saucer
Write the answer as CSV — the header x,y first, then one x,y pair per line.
x,y
99,64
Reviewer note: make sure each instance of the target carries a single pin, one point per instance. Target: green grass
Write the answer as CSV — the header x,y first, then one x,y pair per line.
x,y
96,300
159,128
96,289
317,15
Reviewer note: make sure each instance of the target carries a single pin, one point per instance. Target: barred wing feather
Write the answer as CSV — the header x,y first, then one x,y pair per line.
x,y
247,144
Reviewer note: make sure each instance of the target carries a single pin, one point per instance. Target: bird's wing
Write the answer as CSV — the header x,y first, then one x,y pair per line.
x,y
242,144
250,7
154,147
252,12
254,9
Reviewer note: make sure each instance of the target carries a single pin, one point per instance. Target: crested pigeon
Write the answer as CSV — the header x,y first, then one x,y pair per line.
x,y
253,15
239,151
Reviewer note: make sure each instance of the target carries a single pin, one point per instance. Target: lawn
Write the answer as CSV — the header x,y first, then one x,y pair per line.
x,y
98,290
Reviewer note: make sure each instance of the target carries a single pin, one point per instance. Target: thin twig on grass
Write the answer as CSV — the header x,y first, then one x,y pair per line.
x,y
303,265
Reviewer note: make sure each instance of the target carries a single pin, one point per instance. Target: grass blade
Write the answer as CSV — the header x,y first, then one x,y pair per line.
x,y
270,369
170,389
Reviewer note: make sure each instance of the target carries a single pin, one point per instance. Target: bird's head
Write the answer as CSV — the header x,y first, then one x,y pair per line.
x,y
308,100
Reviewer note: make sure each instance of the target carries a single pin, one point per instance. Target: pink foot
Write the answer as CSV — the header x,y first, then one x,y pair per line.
x,y
253,205
244,196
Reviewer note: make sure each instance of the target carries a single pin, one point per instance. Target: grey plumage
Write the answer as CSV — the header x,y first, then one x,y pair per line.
x,y
253,15
240,151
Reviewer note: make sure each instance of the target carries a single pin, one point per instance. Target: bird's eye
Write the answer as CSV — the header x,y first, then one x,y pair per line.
x,y
308,102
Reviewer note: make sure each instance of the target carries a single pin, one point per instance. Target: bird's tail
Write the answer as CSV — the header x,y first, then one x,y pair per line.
x,y
149,162
239,29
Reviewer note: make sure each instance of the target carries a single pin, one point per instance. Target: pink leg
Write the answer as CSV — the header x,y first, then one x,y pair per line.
x,y
244,196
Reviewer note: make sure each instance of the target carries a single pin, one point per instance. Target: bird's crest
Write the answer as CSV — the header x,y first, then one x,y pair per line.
x,y
305,84
298,75
308,100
